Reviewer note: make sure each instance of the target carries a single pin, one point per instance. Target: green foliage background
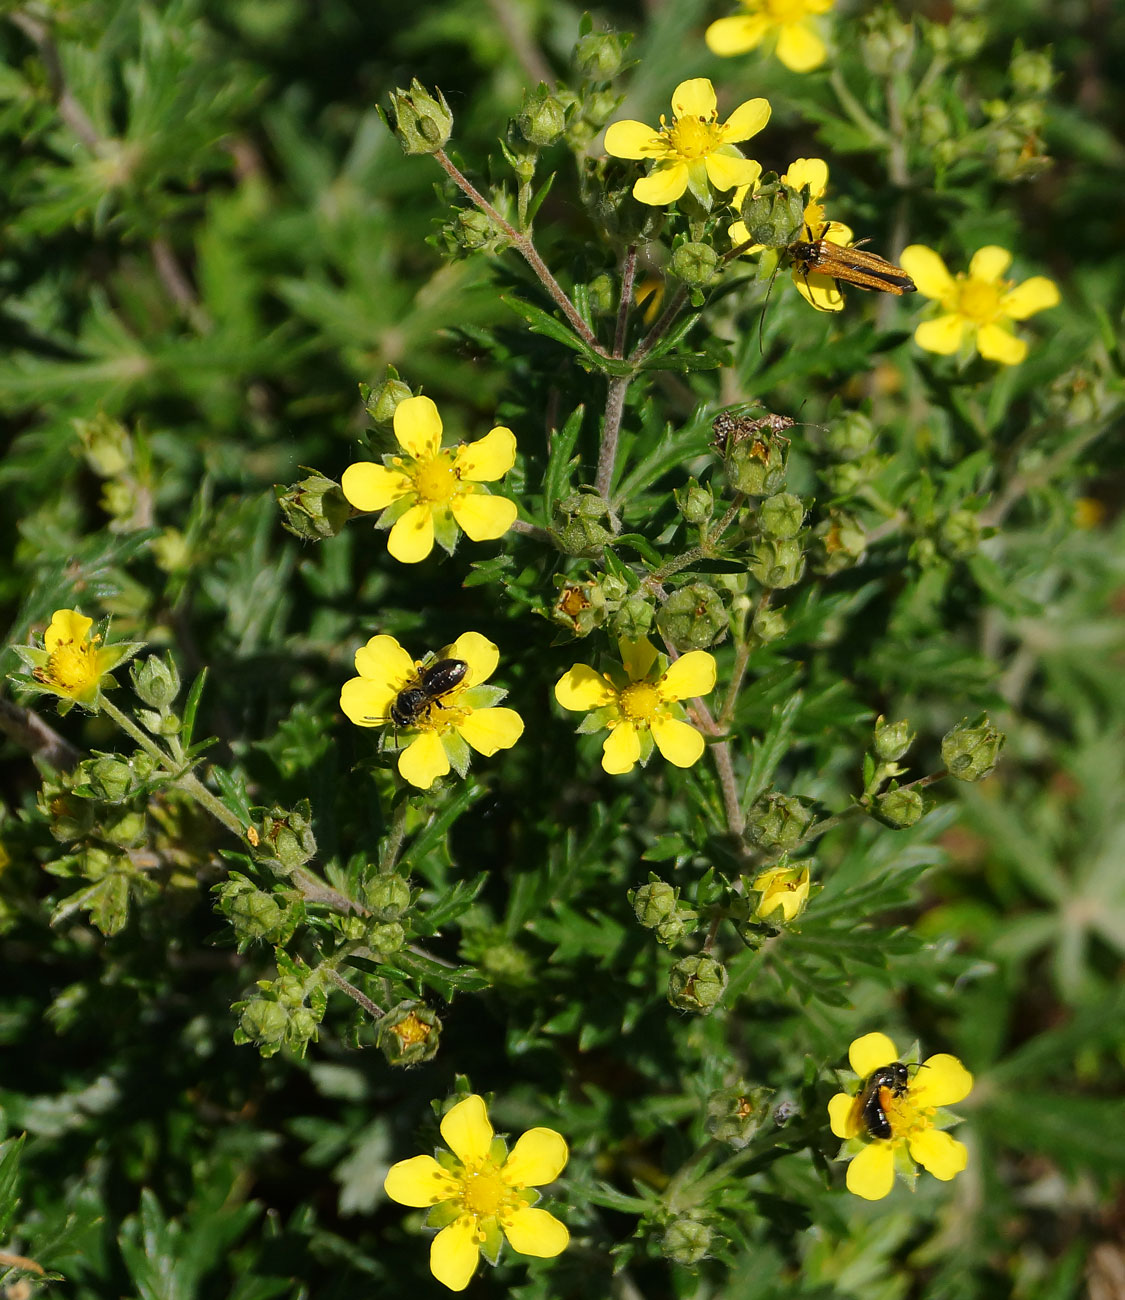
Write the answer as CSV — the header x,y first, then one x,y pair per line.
x,y
212,237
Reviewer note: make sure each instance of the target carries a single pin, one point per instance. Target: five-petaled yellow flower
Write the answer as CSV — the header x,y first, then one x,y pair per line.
x,y
799,44
979,307
783,888
481,1192
696,149
430,492
913,1114
639,705
816,287
444,727
72,664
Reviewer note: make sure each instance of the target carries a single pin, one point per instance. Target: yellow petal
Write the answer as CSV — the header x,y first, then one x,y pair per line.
x,y
812,172
839,1115
537,1158
374,487
419,1181
466,1131
1033,295
366,703
690,675
582,689
800,48
738,235
837,233
488,458
621,749
819,289
694,98
479,653
727,36
938,1153
66,626
942,335
995,343
483,518
630,139
454,1254
941,1081
725,171
868,1053
490,730
872,1173
385,663
989,263
679,743
535,1232
927,270
418,427
423,761
746,120
637,656
662,185
412,537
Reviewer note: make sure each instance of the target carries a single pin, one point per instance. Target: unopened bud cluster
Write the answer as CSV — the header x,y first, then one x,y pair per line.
x,y
286,1012
658,908
283,837
696,984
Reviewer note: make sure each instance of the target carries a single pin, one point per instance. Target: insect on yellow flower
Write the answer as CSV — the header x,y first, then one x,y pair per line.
x,y
432,491
482,1194
895,1120
978,308
640,705
800,47
445,712
697,152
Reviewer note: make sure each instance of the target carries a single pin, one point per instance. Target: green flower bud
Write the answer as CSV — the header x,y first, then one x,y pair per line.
x,y
654,903
886,43
601,294
302,1027
778,821
966,37
756,465
781,516
505,962
106,444
577,527
422,123
923,552
768,624
385,936
313,508
387,896
960,534
1031,72
408,1034
600,56
155,680
541,120
694,264
696,501
773,213
899,808
686,1240
290,991
850,436
838,542
254,915
599,106
171,551
633,619
696,984
777,564
69,818
472,230
110,778
263,1021
285,837
125,831
350,928
892,739
734,1115
680,923
934,126
612,588
381,400
693,617
970,753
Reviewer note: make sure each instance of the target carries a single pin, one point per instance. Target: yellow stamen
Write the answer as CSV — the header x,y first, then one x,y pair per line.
x,y
980,301
640,701
695,137
436,480
484,1191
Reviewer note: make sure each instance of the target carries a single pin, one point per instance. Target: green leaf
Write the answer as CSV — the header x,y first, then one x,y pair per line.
x,y
556,480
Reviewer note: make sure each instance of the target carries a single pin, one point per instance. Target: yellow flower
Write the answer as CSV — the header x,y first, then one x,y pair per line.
x,y
816,287
782,887
799,44
431,491
446,726
639,706
481,1192
978,308
72,664
695,149
912,1112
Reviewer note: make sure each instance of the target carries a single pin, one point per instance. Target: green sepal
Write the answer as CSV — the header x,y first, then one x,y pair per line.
x,y
493,1242
443,1214
458,752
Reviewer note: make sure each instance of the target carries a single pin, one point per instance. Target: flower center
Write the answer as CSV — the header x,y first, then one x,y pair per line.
x,y
980,301
435,480
640,701
411,1031
484,1191
904,1114
73,665
786,11
695,137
